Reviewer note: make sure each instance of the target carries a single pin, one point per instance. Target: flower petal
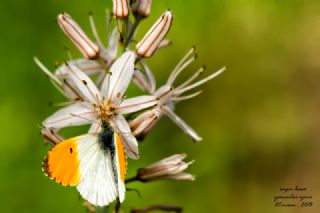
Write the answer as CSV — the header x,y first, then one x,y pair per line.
x,y
172,159
113,43
119,123
136,104
181,176
95,127
122,71
110,54
152,80
141,81
74,115
182,124
84,84
89,67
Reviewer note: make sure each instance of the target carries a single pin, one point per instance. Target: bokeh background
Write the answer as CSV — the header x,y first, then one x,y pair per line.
x,y
259,119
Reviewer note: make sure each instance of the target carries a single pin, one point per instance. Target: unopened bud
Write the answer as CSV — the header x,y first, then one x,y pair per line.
x,y
142,7
121,8
87,47
169,168
149,44
51,136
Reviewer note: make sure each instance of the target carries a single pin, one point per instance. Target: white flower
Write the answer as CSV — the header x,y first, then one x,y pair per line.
x,y
106,57
106,103
169,168
167,96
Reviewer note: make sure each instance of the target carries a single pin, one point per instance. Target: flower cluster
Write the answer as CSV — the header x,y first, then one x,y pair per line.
x,y
95,85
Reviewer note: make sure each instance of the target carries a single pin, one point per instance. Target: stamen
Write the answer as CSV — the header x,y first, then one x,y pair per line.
x,y
94,30
182,90
186,97
193,77
47,71
78,116
181,68
108,22
68,53
59,88
189,53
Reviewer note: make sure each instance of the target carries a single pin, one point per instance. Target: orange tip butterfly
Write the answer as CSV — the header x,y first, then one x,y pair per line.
x,y
95,163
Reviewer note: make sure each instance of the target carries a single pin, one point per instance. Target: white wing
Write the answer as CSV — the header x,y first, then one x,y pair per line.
x,y
97,183
121,164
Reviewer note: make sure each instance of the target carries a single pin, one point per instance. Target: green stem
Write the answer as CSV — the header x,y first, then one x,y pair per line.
x,y
104,209
132,31
132,179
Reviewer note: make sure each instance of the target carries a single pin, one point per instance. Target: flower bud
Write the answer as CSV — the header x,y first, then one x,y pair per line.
x,y
169,168
87,47
121,8
142,7
51,136
142,124
149,44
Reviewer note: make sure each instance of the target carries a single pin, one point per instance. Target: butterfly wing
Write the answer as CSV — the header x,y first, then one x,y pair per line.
x,y
121,165
62,163
97,184
81,162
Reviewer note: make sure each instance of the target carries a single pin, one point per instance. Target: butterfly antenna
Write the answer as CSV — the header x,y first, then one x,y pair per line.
x,y
87,119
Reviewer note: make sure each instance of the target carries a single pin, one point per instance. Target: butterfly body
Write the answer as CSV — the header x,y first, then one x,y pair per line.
x,y
94,163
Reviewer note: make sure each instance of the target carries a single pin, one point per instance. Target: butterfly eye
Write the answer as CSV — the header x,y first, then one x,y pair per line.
x,y
71,150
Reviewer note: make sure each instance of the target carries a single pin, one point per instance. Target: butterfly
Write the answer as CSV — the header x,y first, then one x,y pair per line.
x,y
95,163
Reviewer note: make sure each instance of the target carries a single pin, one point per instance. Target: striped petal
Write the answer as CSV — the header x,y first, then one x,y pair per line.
x,y
84,85
136,104
95,127
89,67
74,115
121,74
120,125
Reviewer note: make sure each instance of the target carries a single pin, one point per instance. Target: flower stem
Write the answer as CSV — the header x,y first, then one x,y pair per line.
x,y
132,31
132,179
162,207
104,209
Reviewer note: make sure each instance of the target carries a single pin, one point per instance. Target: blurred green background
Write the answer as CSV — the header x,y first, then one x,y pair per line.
x,y
259,120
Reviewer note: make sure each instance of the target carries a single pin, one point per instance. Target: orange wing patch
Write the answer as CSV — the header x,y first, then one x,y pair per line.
x,y
62,163
121,157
